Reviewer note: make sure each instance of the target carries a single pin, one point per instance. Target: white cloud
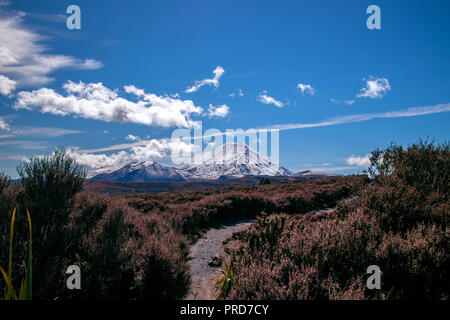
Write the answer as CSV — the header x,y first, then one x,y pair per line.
x,y
23,57
219,111
4,125
98,160
264,98
6,85
347,102
45,132
89,64
375,88
358,161
150,150
95,101
133,90
306,88
26,145
15,157
218,72
410,112
132,138
33,131
240,93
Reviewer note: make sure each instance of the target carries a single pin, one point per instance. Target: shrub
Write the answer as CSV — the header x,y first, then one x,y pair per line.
x,y
123,253
398,221
48,186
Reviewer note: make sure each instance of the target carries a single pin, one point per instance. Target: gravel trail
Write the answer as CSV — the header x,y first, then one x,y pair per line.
x,y
209,245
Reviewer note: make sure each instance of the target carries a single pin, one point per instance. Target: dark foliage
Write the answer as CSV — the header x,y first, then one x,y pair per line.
x,y
48,186
123,253
399,221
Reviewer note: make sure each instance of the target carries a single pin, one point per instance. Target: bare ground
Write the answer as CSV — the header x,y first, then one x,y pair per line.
x,y
204,276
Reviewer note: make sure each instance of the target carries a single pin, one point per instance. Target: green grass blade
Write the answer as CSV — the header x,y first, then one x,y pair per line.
x,y
11,236
11,294
28,285
23,291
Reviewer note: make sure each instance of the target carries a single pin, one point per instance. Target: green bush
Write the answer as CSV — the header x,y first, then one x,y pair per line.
x,y
47,187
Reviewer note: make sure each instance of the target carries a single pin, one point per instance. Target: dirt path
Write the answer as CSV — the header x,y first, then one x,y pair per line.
x,y
202,275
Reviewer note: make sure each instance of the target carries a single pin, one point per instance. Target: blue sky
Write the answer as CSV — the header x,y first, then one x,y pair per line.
x,y
50,94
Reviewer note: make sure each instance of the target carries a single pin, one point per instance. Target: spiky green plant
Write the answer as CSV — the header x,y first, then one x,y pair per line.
x,y
223,285
25,292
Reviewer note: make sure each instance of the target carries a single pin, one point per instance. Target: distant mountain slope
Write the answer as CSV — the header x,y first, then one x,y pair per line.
x,y
233,160
146,171
313,173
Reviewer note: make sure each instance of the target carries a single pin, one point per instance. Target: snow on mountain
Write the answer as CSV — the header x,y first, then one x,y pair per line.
x,y
92,173
233,160
146,171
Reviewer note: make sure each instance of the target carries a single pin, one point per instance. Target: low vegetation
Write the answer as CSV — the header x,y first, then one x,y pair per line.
x,y
399,221
136,246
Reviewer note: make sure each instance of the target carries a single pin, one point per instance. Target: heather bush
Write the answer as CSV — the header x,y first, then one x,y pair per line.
x,y
191,212
398,220
125,254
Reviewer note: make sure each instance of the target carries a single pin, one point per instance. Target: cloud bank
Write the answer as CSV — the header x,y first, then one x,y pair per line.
x,y
95,101
149,150
24,59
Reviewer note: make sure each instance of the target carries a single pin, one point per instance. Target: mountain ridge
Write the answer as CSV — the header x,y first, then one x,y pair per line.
x,y
228,161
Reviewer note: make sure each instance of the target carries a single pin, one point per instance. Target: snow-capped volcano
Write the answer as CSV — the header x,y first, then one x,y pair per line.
x,y
145,171
233,160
